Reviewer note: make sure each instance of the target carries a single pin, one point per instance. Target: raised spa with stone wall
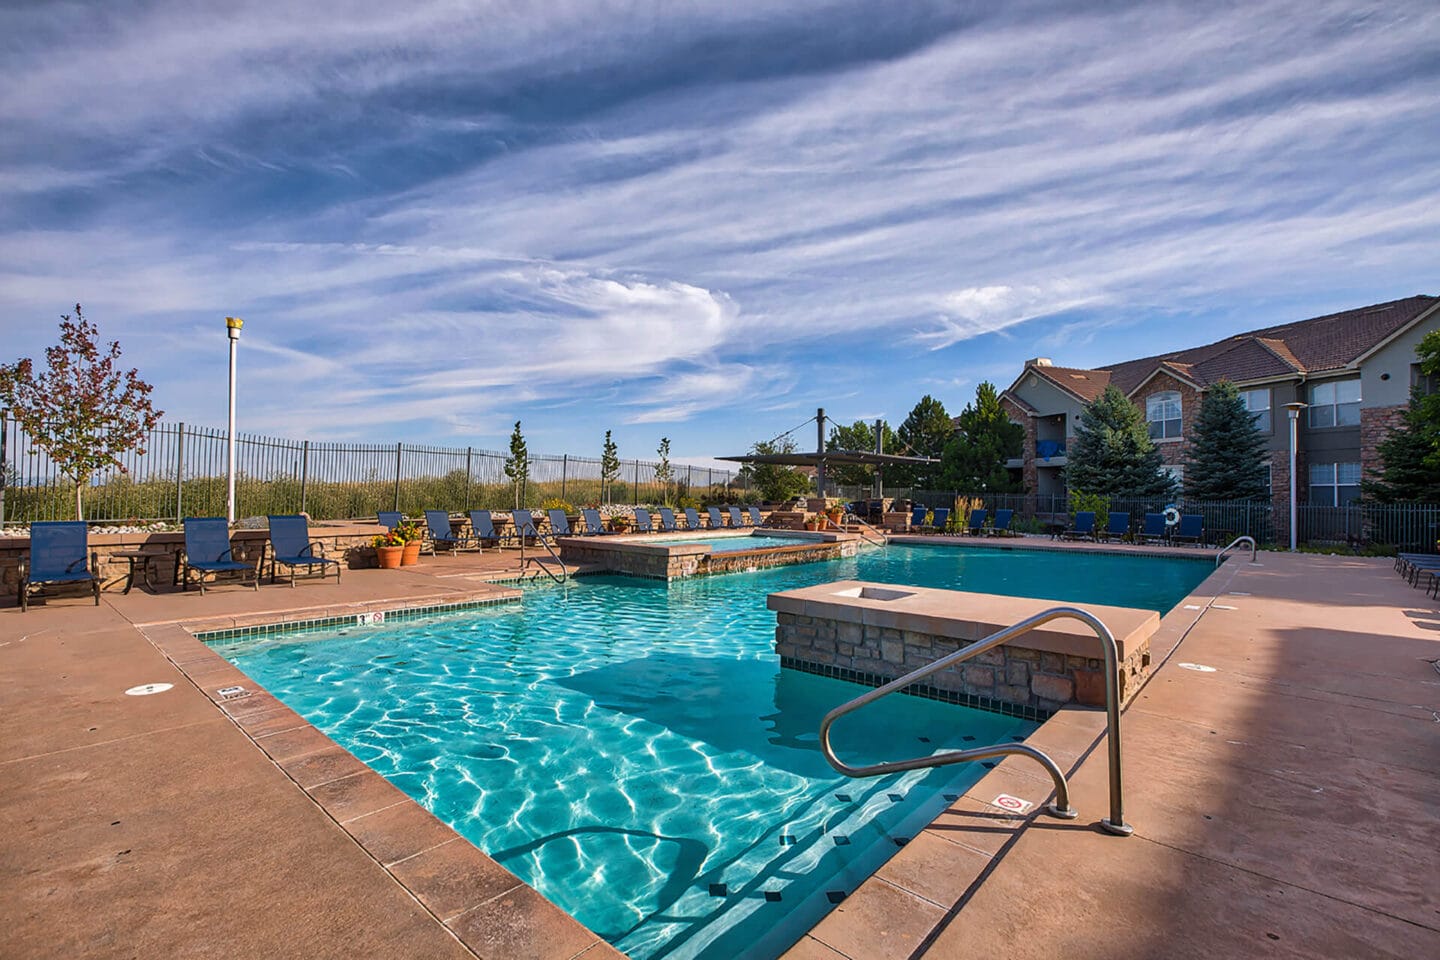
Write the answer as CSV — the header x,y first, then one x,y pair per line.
x,y
660,558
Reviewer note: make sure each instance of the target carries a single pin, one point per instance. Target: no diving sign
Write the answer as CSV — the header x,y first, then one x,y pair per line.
x,y
1014,804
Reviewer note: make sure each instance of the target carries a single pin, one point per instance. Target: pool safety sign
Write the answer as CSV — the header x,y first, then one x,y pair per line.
x,y
371,619
1014,804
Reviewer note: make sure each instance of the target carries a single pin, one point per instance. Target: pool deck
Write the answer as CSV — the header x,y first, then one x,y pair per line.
x,y
1284,805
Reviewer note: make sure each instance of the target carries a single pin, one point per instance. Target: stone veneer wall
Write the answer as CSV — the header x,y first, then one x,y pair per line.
x,y
1376,423
1012,678
661,563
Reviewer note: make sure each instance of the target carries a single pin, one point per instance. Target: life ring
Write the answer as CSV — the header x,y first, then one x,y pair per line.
x,y
1172,516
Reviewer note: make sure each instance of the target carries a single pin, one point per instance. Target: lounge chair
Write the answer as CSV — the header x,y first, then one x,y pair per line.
x,y
594,526
522,523
207,550
976,523
1000,526
642,521
938,521
1192,528
716,521
292,547
482,528
559,523
736,520
1084,526
917,517
1155,529
438,522
692,519
755,519
1117,526
59,551
859,508
667,521
390,519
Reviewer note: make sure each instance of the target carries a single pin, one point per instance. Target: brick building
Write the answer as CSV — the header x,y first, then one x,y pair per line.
x,y
1355,370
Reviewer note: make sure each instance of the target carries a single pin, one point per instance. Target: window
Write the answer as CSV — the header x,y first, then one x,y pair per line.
x,y
1258,403
1163,412
1425,383
1334,484
1335,404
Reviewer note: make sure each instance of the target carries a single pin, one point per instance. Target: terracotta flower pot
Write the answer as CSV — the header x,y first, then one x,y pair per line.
x,y
389,557
411,556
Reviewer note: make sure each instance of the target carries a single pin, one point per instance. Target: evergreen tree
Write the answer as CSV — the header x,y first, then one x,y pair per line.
x,y
663,472
1407,474
1227,454
1113,453
609,467
858,436
517,465
974,458
924,433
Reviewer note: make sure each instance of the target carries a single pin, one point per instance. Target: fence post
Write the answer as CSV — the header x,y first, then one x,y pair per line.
x,y
564,469
304,473
180,473
469,454
399,450
635,490
4,445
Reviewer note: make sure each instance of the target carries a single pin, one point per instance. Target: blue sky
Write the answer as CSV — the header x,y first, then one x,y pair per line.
x,y
699,220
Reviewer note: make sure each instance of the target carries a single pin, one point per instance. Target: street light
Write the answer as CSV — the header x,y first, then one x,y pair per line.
x,y
232,328
1294,410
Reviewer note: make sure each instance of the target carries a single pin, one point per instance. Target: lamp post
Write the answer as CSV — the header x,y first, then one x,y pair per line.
x,y
232,328
1293,409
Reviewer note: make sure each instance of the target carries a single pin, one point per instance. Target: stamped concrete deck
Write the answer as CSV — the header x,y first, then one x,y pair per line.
x,y
1284,805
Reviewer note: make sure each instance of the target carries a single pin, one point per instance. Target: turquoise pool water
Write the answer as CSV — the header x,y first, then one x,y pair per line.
x,y
633,750
727,544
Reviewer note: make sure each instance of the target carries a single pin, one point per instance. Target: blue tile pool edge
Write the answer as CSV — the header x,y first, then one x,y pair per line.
x,y
360,618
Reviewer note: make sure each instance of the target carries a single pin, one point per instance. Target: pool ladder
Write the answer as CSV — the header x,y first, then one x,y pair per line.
x,y
1115,823
1235,543
540,561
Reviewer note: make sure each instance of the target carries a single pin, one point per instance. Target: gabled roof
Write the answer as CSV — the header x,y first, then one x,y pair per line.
x,y
1085,385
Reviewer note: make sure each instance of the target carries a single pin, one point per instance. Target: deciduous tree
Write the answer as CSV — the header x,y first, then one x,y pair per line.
x,y
924,433
517,465
664,473
858,436
609,467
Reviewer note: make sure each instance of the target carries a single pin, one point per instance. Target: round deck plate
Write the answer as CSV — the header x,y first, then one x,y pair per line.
x,y
145,689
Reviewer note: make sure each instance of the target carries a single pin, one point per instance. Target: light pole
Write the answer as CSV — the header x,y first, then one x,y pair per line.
x,y
232,328
1293,409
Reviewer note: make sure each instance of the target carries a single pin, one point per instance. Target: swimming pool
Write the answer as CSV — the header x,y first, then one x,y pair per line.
x,y
633,750
755,541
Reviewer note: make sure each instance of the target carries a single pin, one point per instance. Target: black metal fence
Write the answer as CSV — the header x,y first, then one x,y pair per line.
x,y
183,473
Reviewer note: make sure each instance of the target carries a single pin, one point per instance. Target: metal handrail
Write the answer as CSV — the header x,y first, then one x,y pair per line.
x,y
540,538
1235,543
1061,807
864,526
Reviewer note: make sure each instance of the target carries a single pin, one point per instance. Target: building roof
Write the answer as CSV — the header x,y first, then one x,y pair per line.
x,y
1318,345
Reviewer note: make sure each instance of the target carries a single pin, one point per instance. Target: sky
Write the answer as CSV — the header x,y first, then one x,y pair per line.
x,y
696,220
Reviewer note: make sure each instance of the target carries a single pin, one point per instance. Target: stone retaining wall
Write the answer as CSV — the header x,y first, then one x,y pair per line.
x,y
677,561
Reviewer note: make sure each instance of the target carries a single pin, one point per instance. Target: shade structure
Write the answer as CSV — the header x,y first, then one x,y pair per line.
x,y
829,457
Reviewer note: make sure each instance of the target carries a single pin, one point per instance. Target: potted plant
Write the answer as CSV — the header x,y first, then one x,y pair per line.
x,y
389,549
813,523
413,537
619,523
836,513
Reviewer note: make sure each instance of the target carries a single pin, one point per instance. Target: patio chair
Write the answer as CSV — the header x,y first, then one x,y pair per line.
x,y
59,551
482,529
755,519
1192,528
1154,529
438,523
594,526
1084,526
917,516
1116,526
976,524
642,521
292,547
716,521
667,521
692,519
390,519
938,521
859,508
736,520
559,523
523,523
1000,526
208,550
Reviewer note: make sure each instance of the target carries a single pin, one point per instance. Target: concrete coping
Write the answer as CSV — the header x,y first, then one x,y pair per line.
x,y
965,617
650,545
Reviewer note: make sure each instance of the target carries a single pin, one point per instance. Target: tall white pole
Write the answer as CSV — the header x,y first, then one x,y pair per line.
x,y
232,328
1293,409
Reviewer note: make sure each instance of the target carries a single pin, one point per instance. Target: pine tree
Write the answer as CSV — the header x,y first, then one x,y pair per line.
x,y
517,465
923,434
985,437
609,467
1407,474
1227,453
1113,453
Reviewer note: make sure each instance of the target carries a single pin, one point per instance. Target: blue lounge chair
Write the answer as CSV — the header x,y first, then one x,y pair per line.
x,y
1116,527
207,550
482,528
716,521
642,521
1084,526
594,526
667,520
438,523
559,523
917,516
736,520
1192,527
522,522
390,519
59,550
755,519
692,519
1000,526
938,521
1154,530
292,547
976,523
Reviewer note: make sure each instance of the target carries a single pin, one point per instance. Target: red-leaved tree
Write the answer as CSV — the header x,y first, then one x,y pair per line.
x,y
84,412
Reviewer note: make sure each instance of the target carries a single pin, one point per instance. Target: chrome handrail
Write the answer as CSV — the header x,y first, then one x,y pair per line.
x,y
865,525
1235,543
1061,807
540,539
